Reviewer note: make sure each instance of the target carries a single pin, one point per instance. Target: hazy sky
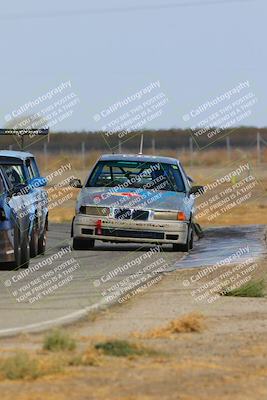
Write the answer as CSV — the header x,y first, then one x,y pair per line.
x,y
195,51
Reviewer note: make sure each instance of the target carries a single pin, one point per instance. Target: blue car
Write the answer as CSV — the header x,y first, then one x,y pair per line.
x,y
23,175
14,226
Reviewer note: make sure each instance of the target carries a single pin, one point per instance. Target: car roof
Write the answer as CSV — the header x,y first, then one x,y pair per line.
x,y
22,155
137,157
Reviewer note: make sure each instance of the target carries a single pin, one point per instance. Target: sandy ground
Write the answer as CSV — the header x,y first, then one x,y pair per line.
x,y
227,360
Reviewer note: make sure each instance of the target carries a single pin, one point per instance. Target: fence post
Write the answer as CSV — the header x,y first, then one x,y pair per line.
x,y
141,144
83,155
153,146
258,148
45,156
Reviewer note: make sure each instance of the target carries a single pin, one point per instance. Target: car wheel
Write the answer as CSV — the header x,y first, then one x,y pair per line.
x,y
42,241
17,248
34,241
25,252
83,244
198,230
189,242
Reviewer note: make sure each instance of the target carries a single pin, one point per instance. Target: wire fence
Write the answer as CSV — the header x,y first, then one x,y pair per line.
x,y
255,147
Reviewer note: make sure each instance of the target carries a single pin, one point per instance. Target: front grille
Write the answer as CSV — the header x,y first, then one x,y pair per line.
x,y
132,234
122,213
140,215
172,237
94,210
87,231
126,213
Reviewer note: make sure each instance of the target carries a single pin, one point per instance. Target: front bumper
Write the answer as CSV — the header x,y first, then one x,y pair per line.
x,y
86,227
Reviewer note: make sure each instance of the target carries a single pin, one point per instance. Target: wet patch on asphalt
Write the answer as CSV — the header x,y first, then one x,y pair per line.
x,y
223,242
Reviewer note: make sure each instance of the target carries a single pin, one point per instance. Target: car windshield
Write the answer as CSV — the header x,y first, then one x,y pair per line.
x,y
136,174
14,173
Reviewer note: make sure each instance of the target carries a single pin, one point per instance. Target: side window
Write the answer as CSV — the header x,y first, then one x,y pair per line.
x,y
188,183
14,174
29,168
34,168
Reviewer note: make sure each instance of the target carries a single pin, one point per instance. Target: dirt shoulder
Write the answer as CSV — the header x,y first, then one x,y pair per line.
x,y
226,359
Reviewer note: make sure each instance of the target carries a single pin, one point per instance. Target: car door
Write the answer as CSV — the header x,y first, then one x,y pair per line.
x,y
15,179
39,194
16,198
6,239
13,217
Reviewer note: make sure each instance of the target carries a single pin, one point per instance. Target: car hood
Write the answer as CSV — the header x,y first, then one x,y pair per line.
x,y
132,198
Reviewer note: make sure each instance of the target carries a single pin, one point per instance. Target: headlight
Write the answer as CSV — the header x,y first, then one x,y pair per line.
x,y
92,210
170,215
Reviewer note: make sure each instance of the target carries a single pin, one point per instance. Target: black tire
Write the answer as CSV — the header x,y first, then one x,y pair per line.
x,y
198,230
34,240
42,241
17,248
25,252
83,244
189,242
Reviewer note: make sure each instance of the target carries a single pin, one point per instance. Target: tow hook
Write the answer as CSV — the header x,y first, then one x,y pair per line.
x,y
99,227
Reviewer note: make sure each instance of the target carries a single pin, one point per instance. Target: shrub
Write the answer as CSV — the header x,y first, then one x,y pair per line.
x,y
19,366
58,341
121,348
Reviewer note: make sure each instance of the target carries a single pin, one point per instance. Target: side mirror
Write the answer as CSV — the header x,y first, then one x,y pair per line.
x,y
37,182
196,190
76,183
190,179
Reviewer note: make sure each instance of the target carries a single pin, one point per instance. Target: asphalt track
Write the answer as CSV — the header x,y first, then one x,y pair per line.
x,y
65,285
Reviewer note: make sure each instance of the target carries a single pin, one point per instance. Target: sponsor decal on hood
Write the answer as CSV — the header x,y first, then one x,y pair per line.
x,y
128,194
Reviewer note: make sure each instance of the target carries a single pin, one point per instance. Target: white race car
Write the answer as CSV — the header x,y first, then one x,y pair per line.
x,y
135,198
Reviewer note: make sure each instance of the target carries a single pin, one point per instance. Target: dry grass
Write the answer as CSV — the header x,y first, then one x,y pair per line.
x,y
252,213
193,322
26,366
23,365
90,357
61,214
208,157
19,366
